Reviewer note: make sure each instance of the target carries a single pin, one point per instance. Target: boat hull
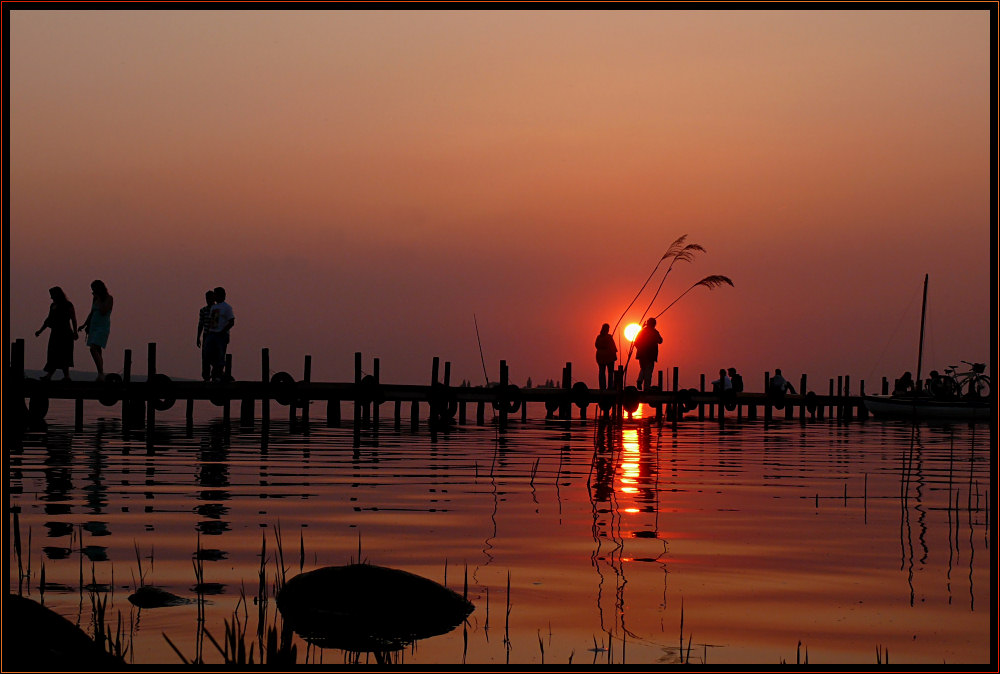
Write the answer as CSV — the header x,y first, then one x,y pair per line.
x,y
903,408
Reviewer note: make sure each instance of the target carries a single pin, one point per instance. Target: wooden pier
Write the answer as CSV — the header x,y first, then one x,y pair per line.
x,y
436,405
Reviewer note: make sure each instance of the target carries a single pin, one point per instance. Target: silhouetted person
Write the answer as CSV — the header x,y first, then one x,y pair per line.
x,y
737,380
607,354
940,386
723,383
904,385
220,322
204,316
98,324
61,323
779,384
647,350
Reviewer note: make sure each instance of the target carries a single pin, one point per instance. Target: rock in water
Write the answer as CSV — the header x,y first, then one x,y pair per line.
x,y
38,639
363,607
149,596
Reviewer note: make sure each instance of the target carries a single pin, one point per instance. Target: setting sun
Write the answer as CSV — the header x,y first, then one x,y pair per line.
x,y
631,330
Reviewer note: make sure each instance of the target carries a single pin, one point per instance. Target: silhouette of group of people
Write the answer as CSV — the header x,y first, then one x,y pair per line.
x,y
940,386
215,320
729,380
63,330
646,345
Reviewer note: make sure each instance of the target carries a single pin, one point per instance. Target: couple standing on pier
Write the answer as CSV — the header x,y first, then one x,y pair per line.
x,y
61,323
215,320
646,345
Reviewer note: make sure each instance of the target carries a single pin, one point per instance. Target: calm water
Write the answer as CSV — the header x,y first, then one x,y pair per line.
x,y
620,544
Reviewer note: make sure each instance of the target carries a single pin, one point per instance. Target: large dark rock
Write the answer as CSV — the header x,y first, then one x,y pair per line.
x,y
362,607
36,639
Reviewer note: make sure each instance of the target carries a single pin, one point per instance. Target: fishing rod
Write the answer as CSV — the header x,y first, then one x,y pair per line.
x,y
481,358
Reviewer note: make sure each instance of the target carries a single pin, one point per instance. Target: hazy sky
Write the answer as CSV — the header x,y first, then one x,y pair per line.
x,y
372,180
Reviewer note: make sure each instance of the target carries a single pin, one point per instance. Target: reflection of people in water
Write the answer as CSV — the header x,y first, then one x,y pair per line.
x,y
607,354
61,323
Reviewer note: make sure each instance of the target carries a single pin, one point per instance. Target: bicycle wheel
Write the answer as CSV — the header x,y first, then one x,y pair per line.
x,y
975,386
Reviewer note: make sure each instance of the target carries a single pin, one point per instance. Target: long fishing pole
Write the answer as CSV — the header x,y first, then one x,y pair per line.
x,y
481,358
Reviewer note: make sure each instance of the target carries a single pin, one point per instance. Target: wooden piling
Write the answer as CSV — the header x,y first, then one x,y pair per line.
x,y
375,402
414,416
565,406
357,386
701,406
150,371
503,383
126,403
333,413
227,403
480,412
306,378
767,400
265,378
802,404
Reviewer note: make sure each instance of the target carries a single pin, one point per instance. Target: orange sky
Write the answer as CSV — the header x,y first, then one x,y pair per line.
x,y
370,180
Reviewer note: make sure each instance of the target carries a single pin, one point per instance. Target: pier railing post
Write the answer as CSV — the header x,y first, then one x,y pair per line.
x,y
767,399
375,402
150,409
802,404
503,383
306,378
265,378
357,386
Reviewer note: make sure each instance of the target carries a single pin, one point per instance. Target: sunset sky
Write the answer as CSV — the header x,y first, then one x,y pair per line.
x,y
372,180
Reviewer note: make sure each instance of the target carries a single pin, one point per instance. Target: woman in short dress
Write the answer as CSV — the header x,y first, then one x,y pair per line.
x,y
61,323
98,324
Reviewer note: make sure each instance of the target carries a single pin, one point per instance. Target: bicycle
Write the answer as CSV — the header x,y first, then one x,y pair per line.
x,y
971,383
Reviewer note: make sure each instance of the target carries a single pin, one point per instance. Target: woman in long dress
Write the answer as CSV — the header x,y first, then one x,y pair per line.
x,y
98,324
61,323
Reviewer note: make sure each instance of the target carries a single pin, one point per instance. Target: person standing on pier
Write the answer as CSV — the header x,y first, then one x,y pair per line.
x,y
98,324
221,321
647,350
607,354
61,323
204,316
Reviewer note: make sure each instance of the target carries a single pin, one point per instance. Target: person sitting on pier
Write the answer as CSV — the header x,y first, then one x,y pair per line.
x,y
904,385
646,352
779,384
940,386
737,380
607,354
723,383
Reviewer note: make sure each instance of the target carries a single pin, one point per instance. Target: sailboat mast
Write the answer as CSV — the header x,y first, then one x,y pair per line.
x,y
923,313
